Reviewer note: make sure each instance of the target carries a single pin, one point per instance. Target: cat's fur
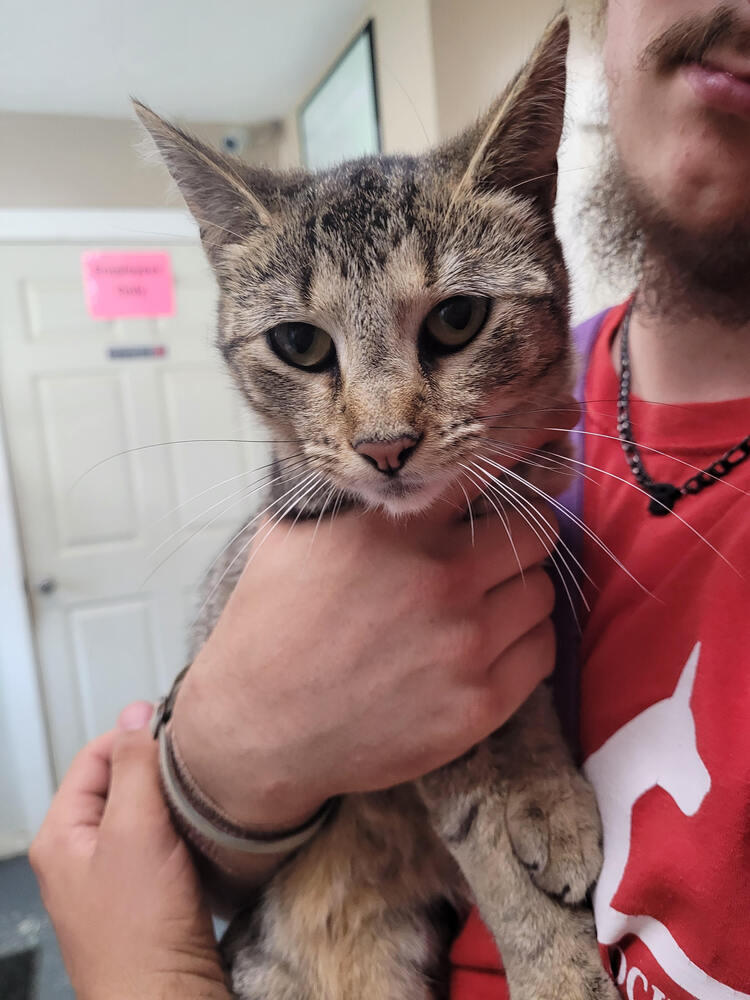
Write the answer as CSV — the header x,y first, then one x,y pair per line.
x,y
365,250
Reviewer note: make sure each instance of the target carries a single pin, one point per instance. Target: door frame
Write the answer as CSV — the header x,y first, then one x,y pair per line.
x,y
22,714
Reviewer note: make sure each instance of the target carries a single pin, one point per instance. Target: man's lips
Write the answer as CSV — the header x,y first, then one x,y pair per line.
x,y
720,87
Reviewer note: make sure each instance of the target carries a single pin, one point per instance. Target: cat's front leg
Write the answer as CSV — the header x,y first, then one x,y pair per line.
x,y
551,811
523,827
548,806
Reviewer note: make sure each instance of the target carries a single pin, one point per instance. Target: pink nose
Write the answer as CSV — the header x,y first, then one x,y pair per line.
x,y
388,456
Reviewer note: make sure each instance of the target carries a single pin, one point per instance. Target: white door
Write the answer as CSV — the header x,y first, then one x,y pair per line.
x,y
108,628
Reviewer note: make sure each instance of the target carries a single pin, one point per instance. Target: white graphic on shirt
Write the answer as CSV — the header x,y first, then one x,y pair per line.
x,y
655,749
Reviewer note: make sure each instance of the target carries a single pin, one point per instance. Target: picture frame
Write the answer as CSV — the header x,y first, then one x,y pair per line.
x,y
340,119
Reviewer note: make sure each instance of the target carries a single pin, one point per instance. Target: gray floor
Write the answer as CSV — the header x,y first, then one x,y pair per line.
x,y
25,926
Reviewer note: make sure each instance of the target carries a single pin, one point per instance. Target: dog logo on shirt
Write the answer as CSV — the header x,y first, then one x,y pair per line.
x,y
657,748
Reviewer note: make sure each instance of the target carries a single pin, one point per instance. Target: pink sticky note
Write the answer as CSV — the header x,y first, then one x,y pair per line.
x,y
127,284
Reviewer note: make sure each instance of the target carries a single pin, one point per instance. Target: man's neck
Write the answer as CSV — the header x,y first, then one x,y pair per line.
x,y
683,355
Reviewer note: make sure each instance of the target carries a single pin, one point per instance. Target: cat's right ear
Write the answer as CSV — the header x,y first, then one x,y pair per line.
x,y
221,202
515,146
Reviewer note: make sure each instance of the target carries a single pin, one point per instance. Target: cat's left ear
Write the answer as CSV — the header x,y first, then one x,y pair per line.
x,y
518,149
212,184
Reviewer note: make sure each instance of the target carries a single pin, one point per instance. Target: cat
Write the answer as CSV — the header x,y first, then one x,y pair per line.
x,y
372,314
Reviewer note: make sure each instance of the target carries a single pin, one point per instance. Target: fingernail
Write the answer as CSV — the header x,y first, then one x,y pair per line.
x,y
135,716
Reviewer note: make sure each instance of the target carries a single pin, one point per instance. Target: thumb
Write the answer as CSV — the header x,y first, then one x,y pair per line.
x,y
135,806
135,716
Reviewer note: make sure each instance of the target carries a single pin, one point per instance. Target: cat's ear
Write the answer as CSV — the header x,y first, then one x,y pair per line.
x,y
518,147
222,204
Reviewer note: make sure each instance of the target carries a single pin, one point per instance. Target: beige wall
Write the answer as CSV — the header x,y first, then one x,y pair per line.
x,y
478,46
405,72
439,63
56,161
53,161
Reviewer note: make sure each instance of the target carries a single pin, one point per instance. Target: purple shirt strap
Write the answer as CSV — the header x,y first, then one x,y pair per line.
x,y
566,678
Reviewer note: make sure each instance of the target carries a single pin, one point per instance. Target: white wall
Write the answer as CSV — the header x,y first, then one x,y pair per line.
x,y
25,774
404,67
579,162
478,47
66,161
406,74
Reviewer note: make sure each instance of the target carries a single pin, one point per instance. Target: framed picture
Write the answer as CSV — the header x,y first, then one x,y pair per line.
x,y
339,120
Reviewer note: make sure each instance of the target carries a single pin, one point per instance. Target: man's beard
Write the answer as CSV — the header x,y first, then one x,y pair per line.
x,y
678,272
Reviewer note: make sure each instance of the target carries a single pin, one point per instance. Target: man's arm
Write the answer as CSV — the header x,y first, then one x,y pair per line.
x,y
118,882
354,659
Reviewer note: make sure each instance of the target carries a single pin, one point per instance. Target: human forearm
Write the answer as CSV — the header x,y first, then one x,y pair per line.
x,y
117,881
291,702
229,777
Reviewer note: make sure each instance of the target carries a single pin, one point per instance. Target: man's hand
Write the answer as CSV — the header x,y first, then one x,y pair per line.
x,y
362,655
118,882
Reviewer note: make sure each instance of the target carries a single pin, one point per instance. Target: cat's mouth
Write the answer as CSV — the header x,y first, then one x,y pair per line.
x,y
400,495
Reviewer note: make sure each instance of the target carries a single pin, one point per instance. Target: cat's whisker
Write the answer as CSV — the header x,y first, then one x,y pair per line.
x,y
407,95
542,177
583,407
647,495
500,513
471,515
301,511
546,538
561,508
561,543
550,407
334,509
167,444
264,482
223,229
563,549
554,556
244,548
231,501
571,553
614,437
242,494
337,506
320,518
216,486
522,454
558,461
302,498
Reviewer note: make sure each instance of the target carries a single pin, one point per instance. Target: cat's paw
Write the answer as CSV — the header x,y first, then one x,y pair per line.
x,y
589,982
555,831
572,985
569,967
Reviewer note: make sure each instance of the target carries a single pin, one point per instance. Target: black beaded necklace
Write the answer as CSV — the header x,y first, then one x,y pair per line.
x,y
663,495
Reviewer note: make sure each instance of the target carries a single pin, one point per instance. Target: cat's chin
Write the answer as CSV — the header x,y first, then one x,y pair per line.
x,y
401,499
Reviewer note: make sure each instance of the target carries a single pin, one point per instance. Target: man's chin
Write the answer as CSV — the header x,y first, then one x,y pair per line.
x,y
684,266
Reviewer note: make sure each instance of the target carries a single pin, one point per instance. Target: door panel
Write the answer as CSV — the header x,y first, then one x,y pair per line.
x,y
115,653
83,417
116,519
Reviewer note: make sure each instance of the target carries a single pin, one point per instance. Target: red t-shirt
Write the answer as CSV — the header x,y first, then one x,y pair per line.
x,y
665,707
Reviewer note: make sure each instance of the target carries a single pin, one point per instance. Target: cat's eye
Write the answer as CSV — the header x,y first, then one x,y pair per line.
x,y
303,345
454,322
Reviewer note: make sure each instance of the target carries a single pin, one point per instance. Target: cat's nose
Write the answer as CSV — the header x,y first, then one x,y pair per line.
x,y
387,456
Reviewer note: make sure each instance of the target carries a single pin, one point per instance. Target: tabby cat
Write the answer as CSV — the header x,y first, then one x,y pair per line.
x,y
372,314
